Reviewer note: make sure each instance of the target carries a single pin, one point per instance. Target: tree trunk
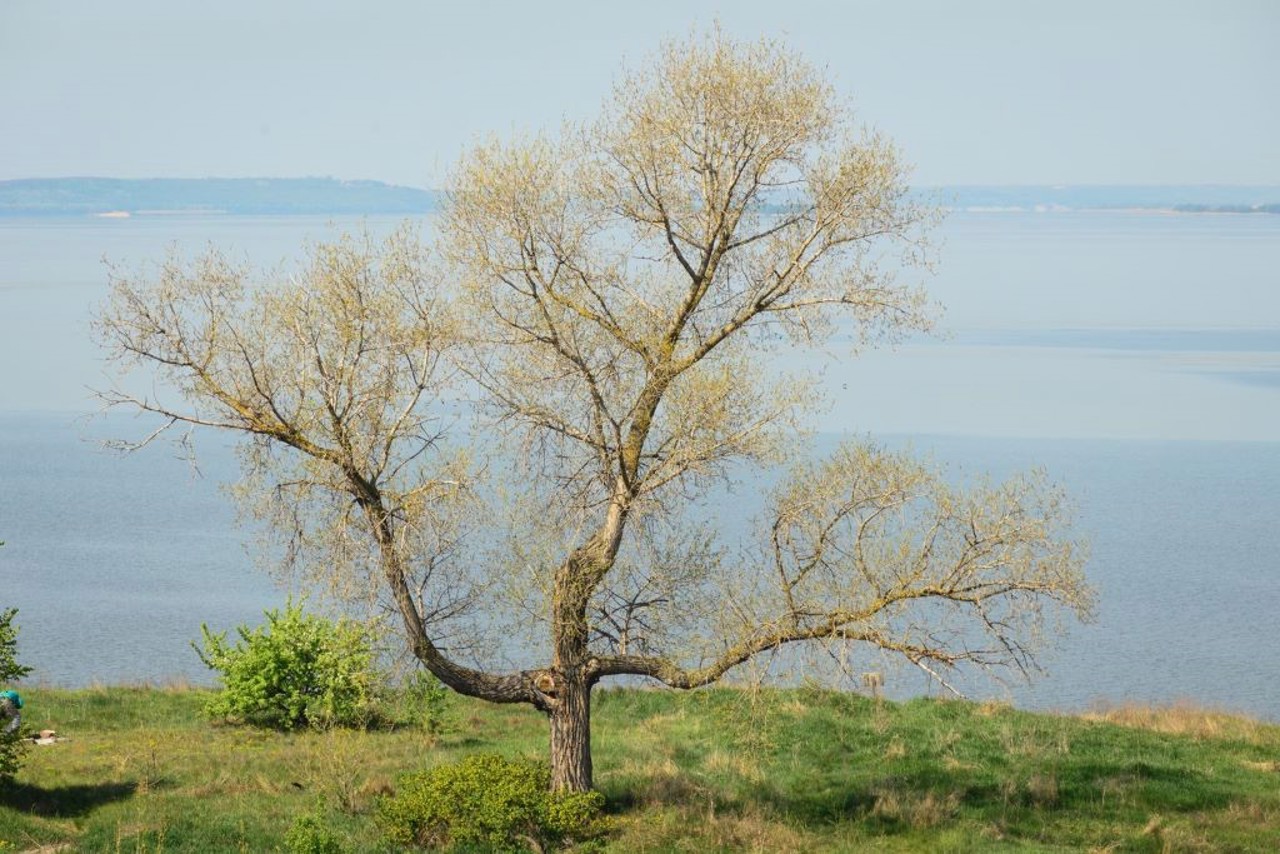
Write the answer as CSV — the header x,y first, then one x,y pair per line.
x,y
571,681
571,736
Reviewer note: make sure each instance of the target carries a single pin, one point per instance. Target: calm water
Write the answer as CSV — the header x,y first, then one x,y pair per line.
x,y
114,562
1136,357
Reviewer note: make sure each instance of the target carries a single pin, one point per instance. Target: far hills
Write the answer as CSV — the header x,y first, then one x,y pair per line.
x,y
280,196
60,197
1190,198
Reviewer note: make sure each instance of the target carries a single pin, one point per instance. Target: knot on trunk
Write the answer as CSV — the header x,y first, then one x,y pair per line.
x,y
545,683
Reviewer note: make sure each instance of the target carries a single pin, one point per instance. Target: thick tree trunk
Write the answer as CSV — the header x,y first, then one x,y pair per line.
x,y
571,673
571,736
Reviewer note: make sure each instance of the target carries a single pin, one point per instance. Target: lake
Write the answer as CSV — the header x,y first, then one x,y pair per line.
x,y
1135,356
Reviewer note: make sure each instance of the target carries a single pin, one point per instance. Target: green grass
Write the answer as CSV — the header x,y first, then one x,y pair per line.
x,y
724,770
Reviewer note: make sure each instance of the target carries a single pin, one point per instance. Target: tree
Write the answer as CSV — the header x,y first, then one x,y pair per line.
x,y
10,670
611,299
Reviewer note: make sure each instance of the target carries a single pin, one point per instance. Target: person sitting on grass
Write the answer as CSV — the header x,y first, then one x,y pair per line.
x,y
10,703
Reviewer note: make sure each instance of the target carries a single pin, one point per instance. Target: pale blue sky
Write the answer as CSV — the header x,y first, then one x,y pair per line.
x,y
974,92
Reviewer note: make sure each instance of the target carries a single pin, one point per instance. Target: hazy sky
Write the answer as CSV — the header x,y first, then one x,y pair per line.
x,y
975,92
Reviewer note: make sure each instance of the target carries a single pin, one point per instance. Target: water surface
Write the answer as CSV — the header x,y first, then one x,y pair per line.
x,y
1136,357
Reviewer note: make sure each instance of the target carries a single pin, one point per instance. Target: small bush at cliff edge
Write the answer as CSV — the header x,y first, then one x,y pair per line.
x,y
296,670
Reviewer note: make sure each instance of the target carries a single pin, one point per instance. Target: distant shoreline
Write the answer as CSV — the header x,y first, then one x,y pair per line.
x,y
1181,210
173,213
119,198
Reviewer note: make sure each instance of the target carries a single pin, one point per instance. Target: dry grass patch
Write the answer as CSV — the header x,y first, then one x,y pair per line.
x,y
754,832
1042,789
948,738
916,810
738,764
1179,836
1020,741
991,708
697,830
660,782
664,721
1184,718
1256,814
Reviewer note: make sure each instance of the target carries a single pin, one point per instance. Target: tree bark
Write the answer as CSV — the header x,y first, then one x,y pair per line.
x,y
571,735
568,694
570,688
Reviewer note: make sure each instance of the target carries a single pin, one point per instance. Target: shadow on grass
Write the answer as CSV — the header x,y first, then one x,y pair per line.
x,y
930,795
1069,789
64,801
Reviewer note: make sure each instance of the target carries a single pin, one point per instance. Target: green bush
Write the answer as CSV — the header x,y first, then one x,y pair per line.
x,y
486,800
426,701
296,670
11,745
309,834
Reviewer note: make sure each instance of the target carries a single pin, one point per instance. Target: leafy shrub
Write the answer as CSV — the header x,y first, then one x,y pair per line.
x,y
487,800
575,815
309,834
426,701
296,670
10,744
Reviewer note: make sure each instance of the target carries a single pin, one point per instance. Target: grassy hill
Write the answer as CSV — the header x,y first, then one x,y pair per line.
x,y
723,770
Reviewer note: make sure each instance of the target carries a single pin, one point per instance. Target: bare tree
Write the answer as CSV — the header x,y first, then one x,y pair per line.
x,y
613,297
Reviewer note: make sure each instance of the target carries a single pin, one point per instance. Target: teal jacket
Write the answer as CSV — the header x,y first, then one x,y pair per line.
x,y
13,697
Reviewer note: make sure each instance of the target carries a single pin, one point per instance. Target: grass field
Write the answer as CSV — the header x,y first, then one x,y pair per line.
x,y
724,770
